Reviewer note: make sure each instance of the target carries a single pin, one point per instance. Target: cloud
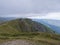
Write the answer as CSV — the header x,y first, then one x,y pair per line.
x,y
8,7
54,15
15,6
30,8
21,15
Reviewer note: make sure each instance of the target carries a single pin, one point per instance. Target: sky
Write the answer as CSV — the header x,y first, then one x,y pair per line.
x,y
40,9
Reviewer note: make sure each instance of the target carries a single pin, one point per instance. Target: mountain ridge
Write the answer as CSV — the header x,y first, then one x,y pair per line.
x,y
26,25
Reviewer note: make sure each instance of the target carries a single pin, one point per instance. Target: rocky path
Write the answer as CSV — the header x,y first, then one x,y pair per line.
x,y
18,42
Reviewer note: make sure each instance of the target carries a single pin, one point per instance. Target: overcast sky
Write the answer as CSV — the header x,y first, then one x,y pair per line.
x,y
30,8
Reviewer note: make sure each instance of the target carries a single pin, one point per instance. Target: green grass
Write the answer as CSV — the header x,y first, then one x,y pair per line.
x,y
42,38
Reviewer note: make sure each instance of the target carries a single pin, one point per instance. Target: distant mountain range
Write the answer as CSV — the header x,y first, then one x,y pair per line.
x,y
54,24
4,19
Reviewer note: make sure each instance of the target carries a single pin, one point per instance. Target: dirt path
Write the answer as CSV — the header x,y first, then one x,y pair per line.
x,y
18,42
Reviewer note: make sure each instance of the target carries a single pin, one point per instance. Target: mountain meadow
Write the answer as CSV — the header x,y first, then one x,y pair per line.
x,y
25,31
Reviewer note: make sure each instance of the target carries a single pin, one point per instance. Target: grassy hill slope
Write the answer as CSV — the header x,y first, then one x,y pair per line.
x,y
28,30
24,25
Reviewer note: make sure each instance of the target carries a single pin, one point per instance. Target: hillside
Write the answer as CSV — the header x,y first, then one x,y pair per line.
x,y
27,30
24,25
